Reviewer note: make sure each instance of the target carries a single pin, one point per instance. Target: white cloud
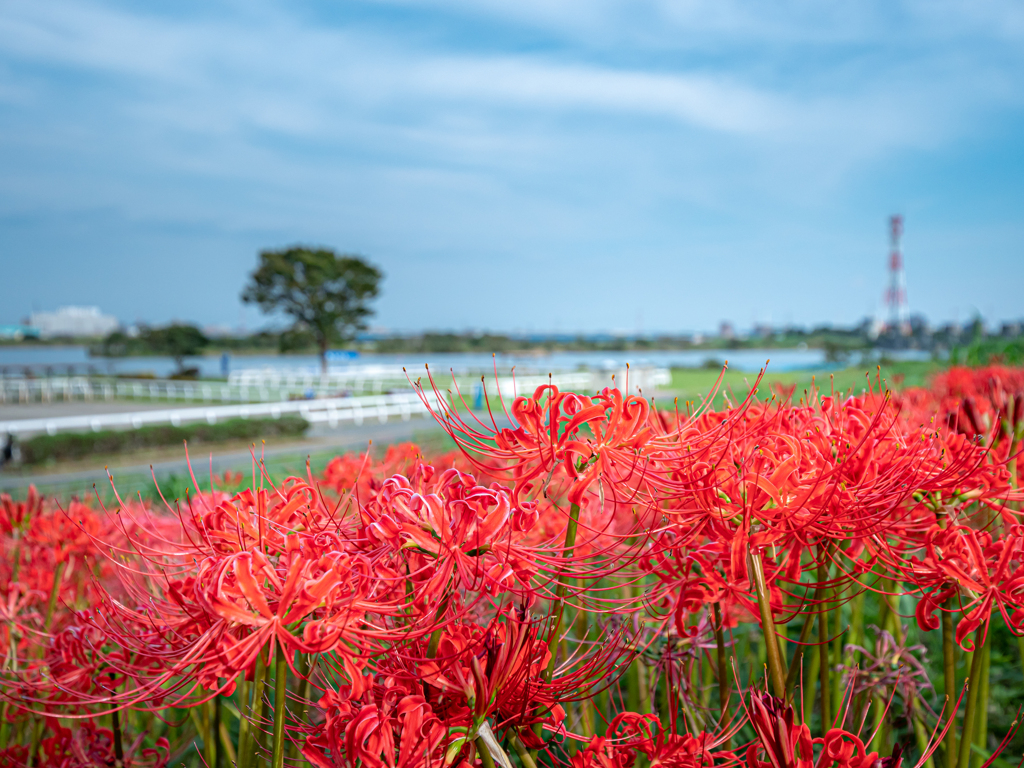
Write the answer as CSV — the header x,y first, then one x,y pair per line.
x,y
627,123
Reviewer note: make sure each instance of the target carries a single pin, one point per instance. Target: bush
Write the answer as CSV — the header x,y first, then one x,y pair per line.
x,y
78,445
991,352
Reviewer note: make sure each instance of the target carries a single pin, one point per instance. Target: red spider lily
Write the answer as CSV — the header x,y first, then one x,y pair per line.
x,y
786,745
15,516
461,529
690,578
495,673
631,734
355,474
87,746
400,730
549,430
402,590
257,585
831,470
983,570
985,405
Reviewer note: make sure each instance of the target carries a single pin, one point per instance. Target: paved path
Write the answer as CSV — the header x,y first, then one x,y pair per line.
x,y
321,440
12,411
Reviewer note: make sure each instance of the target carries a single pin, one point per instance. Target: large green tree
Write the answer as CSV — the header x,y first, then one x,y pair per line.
x,y
178,340
324,292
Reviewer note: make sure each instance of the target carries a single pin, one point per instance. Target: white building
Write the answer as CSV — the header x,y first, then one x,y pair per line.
x,y
73,321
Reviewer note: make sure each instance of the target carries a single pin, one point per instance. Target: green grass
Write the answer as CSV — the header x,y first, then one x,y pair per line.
x,y
695,383
687,384
174,484
70,446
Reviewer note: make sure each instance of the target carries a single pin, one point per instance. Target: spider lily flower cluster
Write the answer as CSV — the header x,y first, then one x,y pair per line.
x,y
600,583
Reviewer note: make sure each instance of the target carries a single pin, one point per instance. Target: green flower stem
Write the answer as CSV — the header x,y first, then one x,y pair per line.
x,y
949,674
810,686
302,666
199,717
981,723
707,681
973,686
920,731
212,730
522,751
723,668
563,587
247,751
559,607
215,736
37,734
771,643
880,742
884,606
857,622
893,603
37,730
51,604
243,720
644,685
798,655
228,747
484,752
280,707
118,746
633,686
582,627
16,557
826,704
837,653
665,701
435,636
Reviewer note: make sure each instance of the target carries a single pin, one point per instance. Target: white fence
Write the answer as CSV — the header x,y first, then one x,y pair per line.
x,y
641,380
644,380
257,386
332,411
252,389
354,377
68,388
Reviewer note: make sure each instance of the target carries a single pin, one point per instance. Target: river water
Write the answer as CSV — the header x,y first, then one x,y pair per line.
x,y
13,359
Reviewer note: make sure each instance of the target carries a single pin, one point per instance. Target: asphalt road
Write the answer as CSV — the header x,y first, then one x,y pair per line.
x,y
322,441
14,411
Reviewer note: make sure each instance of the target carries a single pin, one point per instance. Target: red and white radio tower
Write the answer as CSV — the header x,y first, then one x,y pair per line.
x,y
896,295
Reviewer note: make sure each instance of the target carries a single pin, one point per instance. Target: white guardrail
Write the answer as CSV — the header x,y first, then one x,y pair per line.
x,y
337,409
355,376
263,386
68,388
332,411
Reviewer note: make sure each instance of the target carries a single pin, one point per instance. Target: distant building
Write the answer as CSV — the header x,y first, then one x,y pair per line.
x,y
218,332
73,322
18,332
726,331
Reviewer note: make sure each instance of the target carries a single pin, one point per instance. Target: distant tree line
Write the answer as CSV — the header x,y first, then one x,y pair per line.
x,y
326,296
178,341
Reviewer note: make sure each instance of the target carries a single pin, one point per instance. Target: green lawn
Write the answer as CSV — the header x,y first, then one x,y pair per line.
x,y
693,384
687,384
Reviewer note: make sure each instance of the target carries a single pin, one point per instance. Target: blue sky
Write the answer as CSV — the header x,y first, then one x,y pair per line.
x,y
530,166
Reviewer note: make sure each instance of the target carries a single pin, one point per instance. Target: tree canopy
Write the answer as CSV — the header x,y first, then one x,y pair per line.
x,y
322,291
178,341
